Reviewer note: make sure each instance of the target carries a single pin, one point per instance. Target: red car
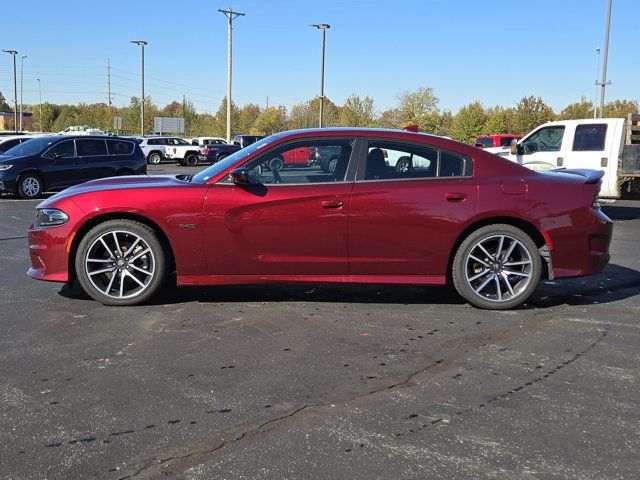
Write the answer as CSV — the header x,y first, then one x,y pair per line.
x,y
489,226
496,140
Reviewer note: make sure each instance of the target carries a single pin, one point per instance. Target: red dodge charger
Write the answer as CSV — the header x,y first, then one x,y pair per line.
x,y
453,213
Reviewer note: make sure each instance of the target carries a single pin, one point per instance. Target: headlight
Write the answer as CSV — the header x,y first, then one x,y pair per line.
x,y
48,217
5,167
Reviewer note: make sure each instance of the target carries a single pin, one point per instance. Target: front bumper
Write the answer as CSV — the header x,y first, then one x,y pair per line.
x,y
8,184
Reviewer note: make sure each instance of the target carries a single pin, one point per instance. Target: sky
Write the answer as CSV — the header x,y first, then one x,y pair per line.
x,y
494,51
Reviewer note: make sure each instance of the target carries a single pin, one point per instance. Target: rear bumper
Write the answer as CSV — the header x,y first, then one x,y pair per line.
x,y
583,248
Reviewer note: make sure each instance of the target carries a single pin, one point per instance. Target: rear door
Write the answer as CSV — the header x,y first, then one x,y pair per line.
x,y
404,221
591,147
94,159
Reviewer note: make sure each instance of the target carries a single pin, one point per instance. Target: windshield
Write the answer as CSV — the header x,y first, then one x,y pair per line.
x,y
32,146
182,142
222,165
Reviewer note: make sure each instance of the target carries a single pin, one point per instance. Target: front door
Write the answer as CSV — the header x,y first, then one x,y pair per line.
x,y
545,149
407,209
286,223
61,165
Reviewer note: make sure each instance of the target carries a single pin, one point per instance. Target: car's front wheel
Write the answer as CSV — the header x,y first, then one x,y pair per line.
x,y
30,186
120,262
497,267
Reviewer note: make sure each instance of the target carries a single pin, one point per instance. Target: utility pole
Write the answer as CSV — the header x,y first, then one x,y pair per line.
x,y
267,101
108,83
231,16
15,89
142,43
603,84
40,92
184,111
324,27
21,87
595,103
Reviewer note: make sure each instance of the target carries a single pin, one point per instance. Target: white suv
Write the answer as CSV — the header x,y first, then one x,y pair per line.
x,y
154,148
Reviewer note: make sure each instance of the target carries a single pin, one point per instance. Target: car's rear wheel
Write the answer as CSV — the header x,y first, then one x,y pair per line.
x,y
155,158
191,160
120,262
276,163
497,267
30,186
221,157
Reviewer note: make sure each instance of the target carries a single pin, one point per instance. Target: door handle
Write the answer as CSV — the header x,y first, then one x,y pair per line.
x,y
332,204
455,197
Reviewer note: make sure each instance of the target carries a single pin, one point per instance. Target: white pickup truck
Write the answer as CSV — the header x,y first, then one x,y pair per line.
x,y
608,144
182,152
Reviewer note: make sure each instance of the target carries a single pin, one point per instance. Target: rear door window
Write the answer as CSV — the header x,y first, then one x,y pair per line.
x,y
91,148
119,147
590,137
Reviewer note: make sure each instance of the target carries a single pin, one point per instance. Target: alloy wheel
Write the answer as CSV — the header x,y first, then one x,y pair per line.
x,y
498,268
120,264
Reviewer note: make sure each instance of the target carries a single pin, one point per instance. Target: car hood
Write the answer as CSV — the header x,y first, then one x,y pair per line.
x,y
118,183
10,158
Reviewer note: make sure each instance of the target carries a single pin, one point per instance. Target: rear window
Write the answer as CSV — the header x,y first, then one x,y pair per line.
x,y
120,147
484,142
590,137
505,141
88,148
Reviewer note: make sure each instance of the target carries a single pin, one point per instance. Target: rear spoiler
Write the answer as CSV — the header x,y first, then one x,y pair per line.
x,y
590,176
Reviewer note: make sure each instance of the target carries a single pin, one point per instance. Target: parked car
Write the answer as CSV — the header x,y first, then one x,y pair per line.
x,y
605,144
182,152
11,141
496,140
246,140
54,162
489,226
81,130
216,152
201,141
154,148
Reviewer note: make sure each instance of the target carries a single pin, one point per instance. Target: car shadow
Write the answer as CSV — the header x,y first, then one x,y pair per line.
x,y
614,283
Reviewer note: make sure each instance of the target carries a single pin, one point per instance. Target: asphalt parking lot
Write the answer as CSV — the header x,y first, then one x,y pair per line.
x,y
264,382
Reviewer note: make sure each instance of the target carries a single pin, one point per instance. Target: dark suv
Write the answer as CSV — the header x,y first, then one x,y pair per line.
x,y
54,162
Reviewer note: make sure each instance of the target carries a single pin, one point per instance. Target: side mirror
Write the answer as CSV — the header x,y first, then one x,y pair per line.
x,y
240,176
516,148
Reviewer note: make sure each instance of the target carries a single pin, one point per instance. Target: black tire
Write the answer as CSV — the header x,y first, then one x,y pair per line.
x,y
403,166
128,231
191,159
276,163
30,186
331,167
221,157
489,291
155,158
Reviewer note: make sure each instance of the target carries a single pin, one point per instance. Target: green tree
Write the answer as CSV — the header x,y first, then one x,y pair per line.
x,y
357,112
220,120
419,107
306,115
620,108
247,117
499,120
529,113
468,122
270,120
574,111
4,106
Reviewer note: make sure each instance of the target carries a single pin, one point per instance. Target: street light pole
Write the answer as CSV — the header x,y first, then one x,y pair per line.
x,y
40,93
15,89
142,43
231,16
324,27
21,87
603,84
595,103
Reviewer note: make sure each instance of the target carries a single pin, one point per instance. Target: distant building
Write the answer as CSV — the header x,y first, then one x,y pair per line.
x,y
6,121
